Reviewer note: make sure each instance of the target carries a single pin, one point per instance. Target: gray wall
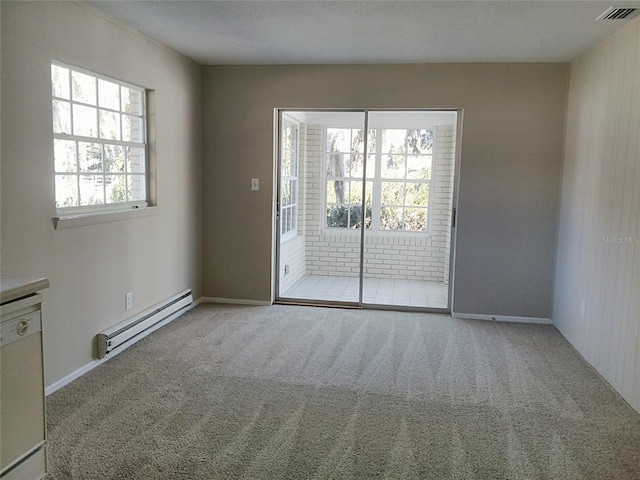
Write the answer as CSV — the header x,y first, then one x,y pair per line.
x,y
598,255
509,183
92,267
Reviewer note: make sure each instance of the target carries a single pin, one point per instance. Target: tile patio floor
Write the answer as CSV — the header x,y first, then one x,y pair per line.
x,y
379,291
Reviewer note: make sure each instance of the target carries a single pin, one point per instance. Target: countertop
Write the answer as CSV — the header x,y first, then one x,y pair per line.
x,y
12,288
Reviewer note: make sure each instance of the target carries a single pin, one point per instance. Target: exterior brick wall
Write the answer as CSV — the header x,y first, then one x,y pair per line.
x,y
292,254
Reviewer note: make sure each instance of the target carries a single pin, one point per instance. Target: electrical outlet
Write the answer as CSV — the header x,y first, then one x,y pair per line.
x,y
128,301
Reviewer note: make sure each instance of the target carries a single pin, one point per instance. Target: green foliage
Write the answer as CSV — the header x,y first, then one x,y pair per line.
x,y
420,141
406,156
347,216
118,190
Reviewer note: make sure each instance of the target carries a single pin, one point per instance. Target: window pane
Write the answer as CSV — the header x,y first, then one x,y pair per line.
x,y
337,191
357,166
292,218
393,166
60,82
286,138
286,163
114,159
90,157
290,137
136,188
286,193
85,121
338,216
108,94
355,194
294,192
66,191
371,166
339,140
419,167
420,141
392,193
390,218
415,219
132,130
91,189
84,88
355,216
369,194
357,141
132,101
394,141
284,222
355,197
61,117
372,142
135,160
64,156
368,216
331,193
109,125
417,194
115,188
338,164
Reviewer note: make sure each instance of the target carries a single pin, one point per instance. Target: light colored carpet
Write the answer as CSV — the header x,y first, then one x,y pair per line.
x,y
287,392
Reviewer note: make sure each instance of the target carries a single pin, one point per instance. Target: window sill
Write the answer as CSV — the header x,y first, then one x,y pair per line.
x,y
328,231
287,237
80,220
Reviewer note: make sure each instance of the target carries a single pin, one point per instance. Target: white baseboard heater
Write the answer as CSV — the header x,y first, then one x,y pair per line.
x,y
134,328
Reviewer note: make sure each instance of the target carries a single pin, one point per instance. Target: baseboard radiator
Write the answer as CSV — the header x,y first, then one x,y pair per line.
x,y
131,330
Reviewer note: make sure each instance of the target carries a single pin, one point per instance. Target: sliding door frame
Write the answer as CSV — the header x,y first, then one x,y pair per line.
x,y
276,250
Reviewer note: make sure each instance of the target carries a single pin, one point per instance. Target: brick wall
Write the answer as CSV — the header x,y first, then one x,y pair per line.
x,y
292,255
292,249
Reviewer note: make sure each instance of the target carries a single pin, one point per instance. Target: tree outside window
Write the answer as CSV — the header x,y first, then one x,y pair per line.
x,y
398,178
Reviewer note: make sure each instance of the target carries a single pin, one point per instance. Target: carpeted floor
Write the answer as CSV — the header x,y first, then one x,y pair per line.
x,y
286,392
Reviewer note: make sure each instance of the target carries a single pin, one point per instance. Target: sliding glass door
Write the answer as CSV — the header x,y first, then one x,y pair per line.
x,y
322,174
364,207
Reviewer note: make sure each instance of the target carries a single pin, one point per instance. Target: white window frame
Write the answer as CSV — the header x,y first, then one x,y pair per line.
x,y
77,211
349,179
377,181
293,207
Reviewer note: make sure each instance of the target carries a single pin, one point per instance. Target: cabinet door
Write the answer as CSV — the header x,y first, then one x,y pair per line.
x,y
22,398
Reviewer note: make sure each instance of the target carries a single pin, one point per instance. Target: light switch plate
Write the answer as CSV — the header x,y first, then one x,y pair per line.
x,y
255,184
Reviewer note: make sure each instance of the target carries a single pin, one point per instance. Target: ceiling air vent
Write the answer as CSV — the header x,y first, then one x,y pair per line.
x,y
619,13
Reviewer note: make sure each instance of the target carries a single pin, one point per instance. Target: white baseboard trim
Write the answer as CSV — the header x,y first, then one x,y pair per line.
x,y
74,375
502,318
91,365
233,301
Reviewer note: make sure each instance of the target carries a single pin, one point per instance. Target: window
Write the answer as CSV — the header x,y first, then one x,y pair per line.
x,y
398,179
405,175
99,142
345,163
289,180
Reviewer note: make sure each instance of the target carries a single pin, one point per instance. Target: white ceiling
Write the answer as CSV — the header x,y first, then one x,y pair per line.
x,y
320,32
